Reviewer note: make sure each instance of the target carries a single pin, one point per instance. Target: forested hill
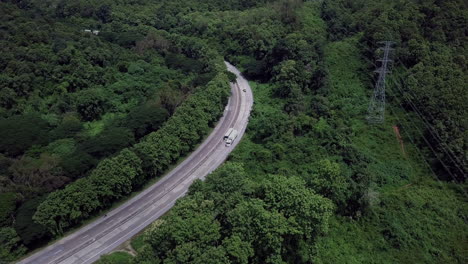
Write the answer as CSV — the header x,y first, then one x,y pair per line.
x,y
79,87
431,41
311,182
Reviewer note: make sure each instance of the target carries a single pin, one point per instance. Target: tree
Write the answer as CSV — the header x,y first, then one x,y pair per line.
x,y
264,229
263,223
109,141
270,126
7,208
256,69
67,207
186,64
232,77
68,128
170,98
30,232
11,244
294,47
153,40
7,98
43,173
288,79
104,13
91,103
290,196
228,179
64,77
287,10
145,119
115,177
187,232
77,164
117,257
21,134
328,180
238,251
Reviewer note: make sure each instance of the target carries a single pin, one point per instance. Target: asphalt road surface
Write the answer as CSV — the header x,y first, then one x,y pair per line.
x,y
100,237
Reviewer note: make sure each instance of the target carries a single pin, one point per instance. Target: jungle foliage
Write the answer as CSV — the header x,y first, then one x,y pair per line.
x,y
85,114
311,181
311,63
431,42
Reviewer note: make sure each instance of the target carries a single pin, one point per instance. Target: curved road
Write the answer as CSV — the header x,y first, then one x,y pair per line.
x,y
103,235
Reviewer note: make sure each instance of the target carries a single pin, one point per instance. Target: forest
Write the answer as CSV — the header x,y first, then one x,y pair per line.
x,y
84,115
311,182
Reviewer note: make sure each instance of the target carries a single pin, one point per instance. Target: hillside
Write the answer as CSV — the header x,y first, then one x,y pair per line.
x,y
312,181
83,112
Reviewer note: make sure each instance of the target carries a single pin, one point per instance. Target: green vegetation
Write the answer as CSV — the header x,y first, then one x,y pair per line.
x,y
311,182
115,258
99,114
230,218
138,242
409,217
308,134
431,42
117,176
11,244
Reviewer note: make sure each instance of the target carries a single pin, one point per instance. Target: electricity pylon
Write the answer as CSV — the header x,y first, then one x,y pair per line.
x,y
376,110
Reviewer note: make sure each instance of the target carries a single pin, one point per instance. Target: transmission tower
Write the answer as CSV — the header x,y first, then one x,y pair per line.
x,y
376,110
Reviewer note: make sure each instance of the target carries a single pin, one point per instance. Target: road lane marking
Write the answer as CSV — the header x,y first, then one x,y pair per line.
x,y
55,252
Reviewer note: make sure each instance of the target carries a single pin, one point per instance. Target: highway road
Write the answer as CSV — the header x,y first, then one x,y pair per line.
x,y
100,237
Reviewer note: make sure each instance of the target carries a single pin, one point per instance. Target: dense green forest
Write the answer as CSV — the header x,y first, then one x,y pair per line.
x,y
311,182
89,118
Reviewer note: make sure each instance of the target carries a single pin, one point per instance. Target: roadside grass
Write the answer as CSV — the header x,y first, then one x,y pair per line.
x,y
115,258
138,242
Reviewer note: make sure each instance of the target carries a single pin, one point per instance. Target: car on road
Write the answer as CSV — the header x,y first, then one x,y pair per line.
x,y
228,133
231,138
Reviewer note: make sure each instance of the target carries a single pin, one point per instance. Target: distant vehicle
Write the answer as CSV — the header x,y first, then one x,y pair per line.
x,y
244,90
94,31
226,136
231,138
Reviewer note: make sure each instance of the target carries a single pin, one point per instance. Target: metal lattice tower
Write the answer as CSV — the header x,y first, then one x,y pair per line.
x,y
376,110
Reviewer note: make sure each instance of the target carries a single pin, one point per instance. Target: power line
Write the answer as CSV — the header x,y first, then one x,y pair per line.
x,y
413,142
421,116
429,127
428,143
452,156
432,130
381,108
442,144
